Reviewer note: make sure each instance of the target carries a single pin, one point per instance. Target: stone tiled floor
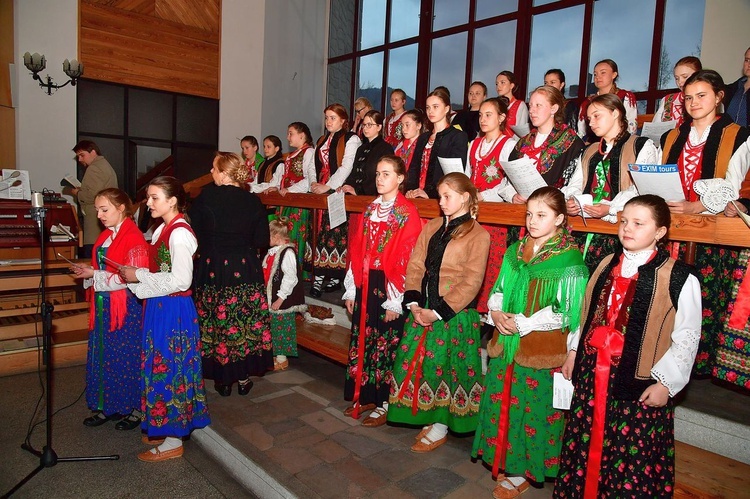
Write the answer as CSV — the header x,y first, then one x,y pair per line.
x,y
293,426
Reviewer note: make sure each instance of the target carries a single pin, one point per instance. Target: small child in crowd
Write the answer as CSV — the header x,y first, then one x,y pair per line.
x,y
284,292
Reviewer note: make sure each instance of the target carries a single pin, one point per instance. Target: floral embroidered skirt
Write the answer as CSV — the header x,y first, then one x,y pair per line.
x,y
534,430
234,320
113,363
173,397
733,352
379,343
442,366
328,256
284,334
638,446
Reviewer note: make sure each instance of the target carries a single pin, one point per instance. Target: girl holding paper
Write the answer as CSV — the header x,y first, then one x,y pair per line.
x,y
713,157
484,169
444,141
113,374
535,307
602,172
553,146
334,158
619,437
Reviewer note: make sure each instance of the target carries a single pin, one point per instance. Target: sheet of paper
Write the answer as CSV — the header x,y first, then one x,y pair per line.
x,y
744,216
584,200
654,130
562,392
524,176
451,165
336,209
15,184
661,180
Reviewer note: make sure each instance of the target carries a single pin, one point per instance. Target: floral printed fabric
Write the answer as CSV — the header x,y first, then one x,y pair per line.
x,y
638,447
381,339
284,334
450,374
733,353
535,429
173,396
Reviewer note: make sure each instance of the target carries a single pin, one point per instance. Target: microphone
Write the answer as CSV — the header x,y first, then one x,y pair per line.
x,y
38,210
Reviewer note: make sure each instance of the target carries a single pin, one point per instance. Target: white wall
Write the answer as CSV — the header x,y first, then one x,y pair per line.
x,y
45,124
294,67
725,36
241,88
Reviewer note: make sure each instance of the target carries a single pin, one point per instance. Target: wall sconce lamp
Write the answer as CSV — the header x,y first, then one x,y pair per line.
x,y
36,63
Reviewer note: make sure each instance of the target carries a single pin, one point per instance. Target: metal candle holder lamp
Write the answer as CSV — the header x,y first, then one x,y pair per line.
x,y
36,63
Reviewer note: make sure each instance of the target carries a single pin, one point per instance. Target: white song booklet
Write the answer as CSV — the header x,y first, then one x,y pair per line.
x,y
562,392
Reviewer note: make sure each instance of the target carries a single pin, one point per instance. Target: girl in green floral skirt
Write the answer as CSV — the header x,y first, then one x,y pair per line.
x,y
437,372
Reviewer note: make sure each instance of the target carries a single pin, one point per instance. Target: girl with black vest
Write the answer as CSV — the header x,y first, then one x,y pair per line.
x,y
619,438
602,172
284,292
713,156
334,158
444,141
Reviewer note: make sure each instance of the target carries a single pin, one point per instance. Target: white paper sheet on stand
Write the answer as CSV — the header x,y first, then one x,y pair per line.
x,y
336,209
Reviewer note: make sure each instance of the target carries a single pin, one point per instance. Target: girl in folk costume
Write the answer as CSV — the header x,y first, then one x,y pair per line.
x,y
468,119
437,372
672,107
393,133
362,106
619,438
551,144
484,169
556,78
535,308
113,375
334,159
284,293
228,279
733,351
411,128
361,180
605,78
253,159
517,122
173,397
379,252
444,141
713,157
295,176
603,172
273,158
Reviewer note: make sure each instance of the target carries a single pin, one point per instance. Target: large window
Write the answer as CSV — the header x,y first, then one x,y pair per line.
x,y
378,45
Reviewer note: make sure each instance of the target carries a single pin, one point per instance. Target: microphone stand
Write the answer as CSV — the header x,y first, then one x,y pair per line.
x,y
47,456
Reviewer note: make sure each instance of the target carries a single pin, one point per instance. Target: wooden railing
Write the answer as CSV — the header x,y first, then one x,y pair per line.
x,y
166,167
710,229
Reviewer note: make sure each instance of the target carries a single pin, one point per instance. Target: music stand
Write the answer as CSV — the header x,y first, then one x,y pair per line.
x,y
47,456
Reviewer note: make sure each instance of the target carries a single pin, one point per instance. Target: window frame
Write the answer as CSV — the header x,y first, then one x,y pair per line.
x,y
523,17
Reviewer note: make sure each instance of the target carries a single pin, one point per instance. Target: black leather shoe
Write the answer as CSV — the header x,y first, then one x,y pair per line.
x,y
128,422
244,388
316,292
332,286
98,418
223,390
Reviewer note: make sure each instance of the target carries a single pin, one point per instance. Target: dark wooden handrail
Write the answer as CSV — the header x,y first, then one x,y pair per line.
x,y
709,229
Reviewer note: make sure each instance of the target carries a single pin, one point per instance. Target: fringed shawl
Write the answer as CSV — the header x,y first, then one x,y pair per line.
x,y
556,276
128,248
